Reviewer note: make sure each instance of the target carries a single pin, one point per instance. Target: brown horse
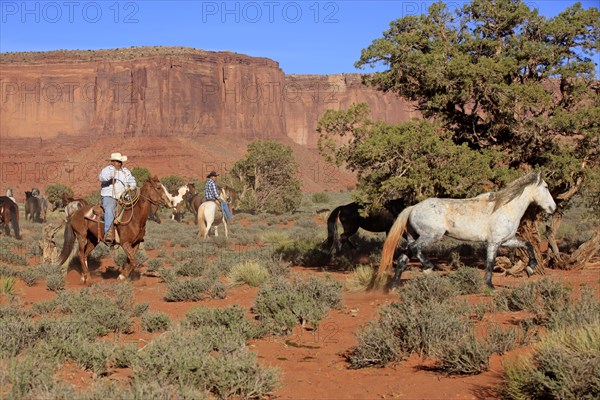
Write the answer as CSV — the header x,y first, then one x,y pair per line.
x,y
9,214
130,232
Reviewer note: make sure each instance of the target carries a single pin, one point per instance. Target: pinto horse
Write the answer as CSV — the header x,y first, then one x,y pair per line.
x,y
490,217
9,214
350,215
130,233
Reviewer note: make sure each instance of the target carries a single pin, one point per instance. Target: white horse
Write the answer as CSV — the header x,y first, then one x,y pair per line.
x,y
209,214
489,217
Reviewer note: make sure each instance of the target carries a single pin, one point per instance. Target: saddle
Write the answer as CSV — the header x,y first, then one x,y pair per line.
x,y
96,214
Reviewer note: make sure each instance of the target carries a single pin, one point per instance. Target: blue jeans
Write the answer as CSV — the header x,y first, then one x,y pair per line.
x,y
110,205
226,211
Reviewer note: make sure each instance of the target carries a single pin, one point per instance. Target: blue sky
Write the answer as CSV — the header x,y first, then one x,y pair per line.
x,y
305,37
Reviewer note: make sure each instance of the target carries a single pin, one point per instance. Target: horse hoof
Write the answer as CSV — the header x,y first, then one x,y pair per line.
x,y
529,271
428,271
83,279
121,277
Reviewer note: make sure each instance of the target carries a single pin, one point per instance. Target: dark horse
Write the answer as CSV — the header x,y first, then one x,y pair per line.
x,y
130,232
380,220
9,214
36,206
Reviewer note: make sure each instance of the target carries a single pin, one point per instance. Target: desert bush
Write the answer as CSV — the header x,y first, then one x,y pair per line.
x,y
190,267
18,333
124,355
284,303
251,273
320,197
564,365
465,355
155,321
140,308
7,271
309,252
407,327
467,280
424,288
360,279
193,289
55,282
29,276
584,311
191,358
231,318
25,376
503,340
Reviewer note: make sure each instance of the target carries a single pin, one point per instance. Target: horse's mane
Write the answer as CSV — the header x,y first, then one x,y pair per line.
x,y
513,189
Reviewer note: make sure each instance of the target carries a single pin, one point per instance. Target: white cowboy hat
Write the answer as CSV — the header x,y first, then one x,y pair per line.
x,y
117,157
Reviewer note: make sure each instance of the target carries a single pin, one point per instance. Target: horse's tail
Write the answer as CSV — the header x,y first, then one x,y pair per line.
x,y
69,241
332,230
389,247
201,222
14,220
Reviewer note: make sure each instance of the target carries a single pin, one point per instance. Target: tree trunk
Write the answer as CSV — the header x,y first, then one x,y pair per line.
x,y
585,252
528,231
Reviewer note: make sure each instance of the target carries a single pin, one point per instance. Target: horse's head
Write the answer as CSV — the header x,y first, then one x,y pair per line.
x,y
542,197
192,188
156,192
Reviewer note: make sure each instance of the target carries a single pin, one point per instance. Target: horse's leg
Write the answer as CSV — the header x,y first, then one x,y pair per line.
x,y
514,243
225,227
130,251
89,247
402,261
82,243
490,261
424,240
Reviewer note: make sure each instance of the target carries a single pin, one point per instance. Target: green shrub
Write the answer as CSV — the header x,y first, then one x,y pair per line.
x,y
140,308
29,276
55,282
284,303
206,359
231,318
407,327
467,280
250,272
320,197
17,333
424,288
191,289
465,356
565,365
155,321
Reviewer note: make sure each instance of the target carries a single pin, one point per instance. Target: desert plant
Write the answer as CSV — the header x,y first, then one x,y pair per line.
x,y
55,282
155,321
320,197
190,289
564,365
29,276
284,303
467,280
230,318
360,279
7,285
465,356
251,273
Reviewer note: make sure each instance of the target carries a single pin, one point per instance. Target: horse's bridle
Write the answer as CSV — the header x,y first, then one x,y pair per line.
x,y
156,203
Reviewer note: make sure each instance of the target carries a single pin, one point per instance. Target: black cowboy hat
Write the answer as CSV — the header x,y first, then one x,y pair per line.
x,y
212,173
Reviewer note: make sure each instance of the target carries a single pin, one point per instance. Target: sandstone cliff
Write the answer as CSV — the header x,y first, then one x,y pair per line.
x,y
173,110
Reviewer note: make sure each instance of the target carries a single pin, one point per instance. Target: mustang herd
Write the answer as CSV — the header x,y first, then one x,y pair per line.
x,y
491,217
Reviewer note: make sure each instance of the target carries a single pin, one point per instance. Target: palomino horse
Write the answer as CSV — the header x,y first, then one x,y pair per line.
x,y
490,217
9,214
210,213
380,220
130,232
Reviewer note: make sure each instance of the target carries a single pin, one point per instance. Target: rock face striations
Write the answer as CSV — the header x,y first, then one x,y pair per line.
x,y
172,91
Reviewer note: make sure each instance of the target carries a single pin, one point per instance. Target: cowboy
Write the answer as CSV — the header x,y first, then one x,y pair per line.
x,y
211,193
115,179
